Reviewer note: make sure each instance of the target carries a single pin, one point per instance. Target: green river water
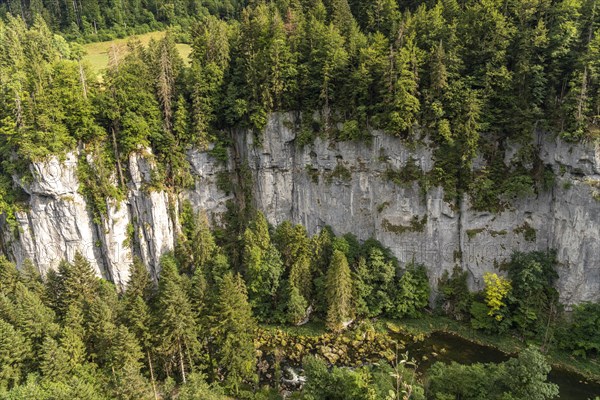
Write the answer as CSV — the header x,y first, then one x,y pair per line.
x,y
449,347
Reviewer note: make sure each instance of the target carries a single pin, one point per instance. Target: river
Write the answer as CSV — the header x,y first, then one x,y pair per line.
x,y
449,347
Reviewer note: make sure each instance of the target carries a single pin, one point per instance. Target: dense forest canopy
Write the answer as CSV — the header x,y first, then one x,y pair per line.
x,y
465,77
211,328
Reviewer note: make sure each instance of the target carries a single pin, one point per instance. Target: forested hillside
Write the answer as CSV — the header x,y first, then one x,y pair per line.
x,y
196,334
466,75
465,80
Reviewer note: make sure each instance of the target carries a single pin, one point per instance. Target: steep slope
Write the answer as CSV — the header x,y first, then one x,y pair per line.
x,y
345,185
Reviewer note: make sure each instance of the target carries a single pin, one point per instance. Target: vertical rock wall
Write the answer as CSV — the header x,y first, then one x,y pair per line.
x,y
343,185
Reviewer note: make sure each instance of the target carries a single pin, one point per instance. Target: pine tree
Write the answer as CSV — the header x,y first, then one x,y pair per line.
x,y
233,329
339,292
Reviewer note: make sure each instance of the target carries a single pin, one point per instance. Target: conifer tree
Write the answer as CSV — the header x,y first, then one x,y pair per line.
x,y
197,246
412,294
210,58
296,305
54,363
31,278
123,360
14,349
8,276
263,266
34,319
76,283
136,312
176,330
140,283
233,329
339,292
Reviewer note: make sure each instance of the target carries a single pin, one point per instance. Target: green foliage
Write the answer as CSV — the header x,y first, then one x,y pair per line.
x,y
409,173
412,292
73,286
416,225
340,172
13,351
373,281
196,388
177,325
338,287
454,298
526,300
264,266
520,378
581,335
233,326
375,382
534,298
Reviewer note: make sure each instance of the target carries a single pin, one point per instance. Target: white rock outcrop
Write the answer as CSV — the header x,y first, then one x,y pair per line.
x,y
342,185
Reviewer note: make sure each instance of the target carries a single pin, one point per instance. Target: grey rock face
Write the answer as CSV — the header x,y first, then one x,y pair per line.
x,y
312,186
343,185
58,224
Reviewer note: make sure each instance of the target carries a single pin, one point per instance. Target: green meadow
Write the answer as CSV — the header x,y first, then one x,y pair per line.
x,y
97,53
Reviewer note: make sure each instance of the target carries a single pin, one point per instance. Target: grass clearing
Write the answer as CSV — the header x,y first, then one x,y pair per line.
x,y
97,53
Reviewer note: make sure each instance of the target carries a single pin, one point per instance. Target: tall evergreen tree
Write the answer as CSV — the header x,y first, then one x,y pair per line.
x,y
339,292
14,349
233,329
176,328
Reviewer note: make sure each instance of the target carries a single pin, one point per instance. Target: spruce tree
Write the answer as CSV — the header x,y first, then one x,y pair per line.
x,y
31,278
176,327
339,292
8,276
34,319
296,305
233,330
14,349
196,246
263,266
75,284
123,360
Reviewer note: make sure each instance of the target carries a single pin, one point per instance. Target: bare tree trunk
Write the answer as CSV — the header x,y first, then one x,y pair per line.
x,y
117,156
18,109
82,79
582,95
181,363
152,375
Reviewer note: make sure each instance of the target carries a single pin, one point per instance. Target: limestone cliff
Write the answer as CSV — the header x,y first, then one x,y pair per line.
x,y
343,185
